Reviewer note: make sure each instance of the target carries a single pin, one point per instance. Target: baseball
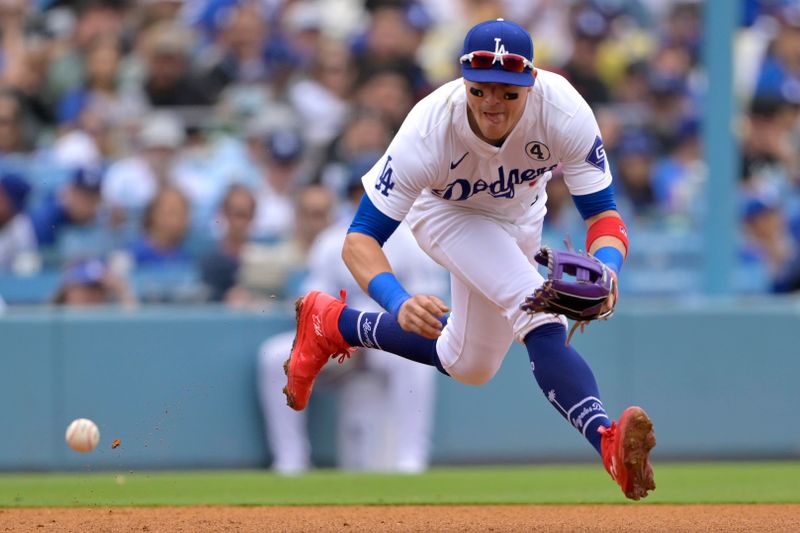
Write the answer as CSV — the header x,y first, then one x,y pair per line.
x,y
82,435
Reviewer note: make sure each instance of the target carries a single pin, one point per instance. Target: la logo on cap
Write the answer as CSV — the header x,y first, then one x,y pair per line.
x,y
498,47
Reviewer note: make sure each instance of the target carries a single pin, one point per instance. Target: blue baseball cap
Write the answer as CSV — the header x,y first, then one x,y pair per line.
x,y
286,145
500,37
87,178
16,189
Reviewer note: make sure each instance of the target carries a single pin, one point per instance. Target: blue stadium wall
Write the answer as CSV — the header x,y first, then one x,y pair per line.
x,y
178,387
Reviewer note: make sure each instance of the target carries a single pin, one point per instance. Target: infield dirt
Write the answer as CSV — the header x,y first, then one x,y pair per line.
x,y
439,518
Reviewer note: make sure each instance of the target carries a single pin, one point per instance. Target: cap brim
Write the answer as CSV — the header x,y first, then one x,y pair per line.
x,y
493,75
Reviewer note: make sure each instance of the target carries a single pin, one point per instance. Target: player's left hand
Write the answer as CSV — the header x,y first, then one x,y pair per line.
x,y
421,314
613,297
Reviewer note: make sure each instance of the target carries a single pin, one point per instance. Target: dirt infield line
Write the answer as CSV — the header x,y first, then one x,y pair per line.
x,y
439,518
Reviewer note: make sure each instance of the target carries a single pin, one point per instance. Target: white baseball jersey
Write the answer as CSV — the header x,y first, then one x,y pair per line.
x,y
478,209
436,160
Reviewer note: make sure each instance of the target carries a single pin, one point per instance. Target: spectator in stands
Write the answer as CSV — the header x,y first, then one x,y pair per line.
x,y
165,223
631,94
589,28
769,243
393,38
16,231
238,53
93,21
276,269
89,283
679,176
219,268
387,91
635,156
279,156
669,106
779,75
132,182
13,139
322,99
299,28
160,161
23,67
170,81
95,117
767,143
76,204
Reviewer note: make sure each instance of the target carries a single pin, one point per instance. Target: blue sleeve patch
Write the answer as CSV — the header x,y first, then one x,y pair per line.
x,y
597,155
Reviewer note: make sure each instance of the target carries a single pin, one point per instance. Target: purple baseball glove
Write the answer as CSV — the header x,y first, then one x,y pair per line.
x,y
579,297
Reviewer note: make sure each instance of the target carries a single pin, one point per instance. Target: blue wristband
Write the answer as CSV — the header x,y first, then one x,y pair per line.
x,y
611,257
387,291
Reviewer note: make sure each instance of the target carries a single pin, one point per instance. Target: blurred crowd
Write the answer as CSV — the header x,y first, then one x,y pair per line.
x,y
192,150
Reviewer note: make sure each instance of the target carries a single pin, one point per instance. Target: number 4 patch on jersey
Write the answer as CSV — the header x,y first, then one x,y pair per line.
x,y
597,155
385,183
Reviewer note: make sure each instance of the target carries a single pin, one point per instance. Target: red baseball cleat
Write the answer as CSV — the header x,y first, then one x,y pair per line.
x,y
317,340
625,447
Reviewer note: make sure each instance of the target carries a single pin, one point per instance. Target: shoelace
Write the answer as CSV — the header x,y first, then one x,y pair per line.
x,y
608,430
346,353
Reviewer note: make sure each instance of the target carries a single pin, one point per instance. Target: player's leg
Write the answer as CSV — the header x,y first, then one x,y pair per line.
x,y
566,380
411,393
477,337
286,430
560,371
380,331
570,386
485,305
477,334
327,328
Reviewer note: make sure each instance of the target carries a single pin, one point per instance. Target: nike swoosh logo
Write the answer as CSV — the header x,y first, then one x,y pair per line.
x,y
454,165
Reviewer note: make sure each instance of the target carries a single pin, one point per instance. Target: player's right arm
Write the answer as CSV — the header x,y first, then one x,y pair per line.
x,y
390,189
363,254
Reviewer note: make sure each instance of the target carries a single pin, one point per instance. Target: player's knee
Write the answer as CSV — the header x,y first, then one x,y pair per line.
x,y
472,374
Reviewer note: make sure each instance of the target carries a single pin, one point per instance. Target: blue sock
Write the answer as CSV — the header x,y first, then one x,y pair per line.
x,y
381,331
566,380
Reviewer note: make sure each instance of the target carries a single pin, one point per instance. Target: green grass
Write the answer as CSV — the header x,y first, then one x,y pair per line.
x,y
677,483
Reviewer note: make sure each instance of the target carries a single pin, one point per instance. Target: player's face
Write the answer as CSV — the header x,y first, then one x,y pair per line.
x,y
495,108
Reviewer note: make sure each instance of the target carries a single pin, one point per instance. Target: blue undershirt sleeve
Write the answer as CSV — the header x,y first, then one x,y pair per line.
x,y
591,204
370,221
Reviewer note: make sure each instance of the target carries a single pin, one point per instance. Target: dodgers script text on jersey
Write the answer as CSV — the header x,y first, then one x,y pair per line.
x,y
436,159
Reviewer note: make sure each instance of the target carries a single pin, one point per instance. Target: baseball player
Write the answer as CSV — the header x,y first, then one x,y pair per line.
x,y
409,388
467,170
